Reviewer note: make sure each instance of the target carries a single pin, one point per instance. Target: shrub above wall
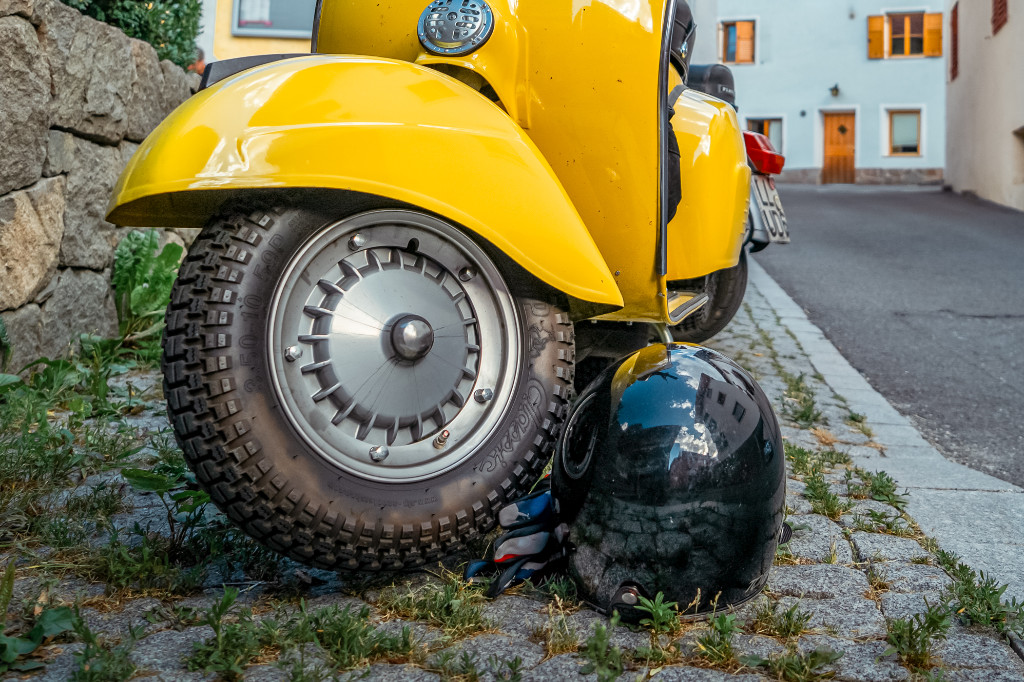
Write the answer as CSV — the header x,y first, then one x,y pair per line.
x,y
170,26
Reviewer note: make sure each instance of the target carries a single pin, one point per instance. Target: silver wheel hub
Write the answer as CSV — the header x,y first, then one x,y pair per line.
x,y
412,337
392,344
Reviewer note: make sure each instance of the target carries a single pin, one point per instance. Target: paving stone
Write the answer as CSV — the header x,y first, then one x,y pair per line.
x,y
165,652
816,542
585,621
849,617
798,504
387,672
896,605
756,645
517,616
59,668
501,647
420,633
971,675
817,581
861,661
561,667
266,673
687,674
978,651
879,547
118,624
913,577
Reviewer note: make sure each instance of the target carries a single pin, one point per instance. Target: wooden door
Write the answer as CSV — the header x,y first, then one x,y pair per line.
x,y
840,145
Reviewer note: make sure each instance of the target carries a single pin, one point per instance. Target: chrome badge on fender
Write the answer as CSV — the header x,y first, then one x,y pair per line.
x,y
455,27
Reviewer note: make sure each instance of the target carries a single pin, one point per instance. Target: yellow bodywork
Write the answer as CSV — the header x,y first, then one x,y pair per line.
x,y
562,174
369,125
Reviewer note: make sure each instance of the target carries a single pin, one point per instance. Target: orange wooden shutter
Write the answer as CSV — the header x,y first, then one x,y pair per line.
x,y
745,41
876,37
933,35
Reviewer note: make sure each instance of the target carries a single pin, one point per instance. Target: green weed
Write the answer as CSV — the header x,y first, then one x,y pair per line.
x,y
880,522
798,404
602,658
663,616
911,638
793,666
451,604
769,620
878,486
978,599
14,649
716,645
232,646
99,661
557,635
823,500
142,281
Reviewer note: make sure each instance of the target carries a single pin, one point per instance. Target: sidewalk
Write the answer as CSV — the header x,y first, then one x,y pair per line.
x,y
855,565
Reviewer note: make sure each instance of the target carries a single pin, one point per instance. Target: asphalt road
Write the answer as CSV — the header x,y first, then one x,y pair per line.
x,y
923,292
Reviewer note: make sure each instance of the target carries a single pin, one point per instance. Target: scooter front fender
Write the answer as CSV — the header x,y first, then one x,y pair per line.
x,y
370,125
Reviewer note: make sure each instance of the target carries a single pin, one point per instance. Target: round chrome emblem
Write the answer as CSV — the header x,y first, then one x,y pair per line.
x,y
455,27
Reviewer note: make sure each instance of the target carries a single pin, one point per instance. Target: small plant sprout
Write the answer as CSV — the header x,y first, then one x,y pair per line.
x,y
793,666
823,500
769,620
663,616
602,658
715,646
978,599
911,638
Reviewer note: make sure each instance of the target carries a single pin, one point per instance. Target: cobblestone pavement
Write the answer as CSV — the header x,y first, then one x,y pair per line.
x,y
854,566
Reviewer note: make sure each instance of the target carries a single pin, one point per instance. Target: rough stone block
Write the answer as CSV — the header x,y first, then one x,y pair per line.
x,y
60,149
165,651
896,605
31,229
849,617
817,581
502,648
817,539
516,616
176,86
913,577
89,240
861,662
21,8
24,96
146,108
978,651
389,672
92,72
24,327
82,303
878,547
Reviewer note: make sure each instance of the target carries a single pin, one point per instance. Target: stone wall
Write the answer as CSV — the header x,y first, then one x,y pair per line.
x,y
868,176
76,98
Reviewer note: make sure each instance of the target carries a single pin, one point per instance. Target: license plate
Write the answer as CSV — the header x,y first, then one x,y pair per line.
x,y
769,209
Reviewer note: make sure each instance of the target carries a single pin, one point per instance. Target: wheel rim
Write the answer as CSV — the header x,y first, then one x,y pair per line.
x,y
394,345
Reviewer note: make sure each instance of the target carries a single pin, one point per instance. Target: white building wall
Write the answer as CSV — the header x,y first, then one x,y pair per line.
x,y
802,49
985,104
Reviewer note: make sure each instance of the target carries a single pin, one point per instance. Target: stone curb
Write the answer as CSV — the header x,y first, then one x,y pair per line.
x,y
970,513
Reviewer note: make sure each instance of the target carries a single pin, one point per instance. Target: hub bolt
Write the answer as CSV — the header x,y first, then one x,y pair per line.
x,y
467,273
441,440
379,453
357,242
292,353
483,395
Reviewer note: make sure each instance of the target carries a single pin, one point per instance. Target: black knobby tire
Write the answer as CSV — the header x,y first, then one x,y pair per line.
x,y
725,289
257,469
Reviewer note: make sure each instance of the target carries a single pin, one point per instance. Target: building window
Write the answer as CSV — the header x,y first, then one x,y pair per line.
x,y
738,42
770,128
905,34
1000,15
954,42
273,18
905,133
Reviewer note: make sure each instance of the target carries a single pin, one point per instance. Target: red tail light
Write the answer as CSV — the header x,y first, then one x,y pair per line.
x,y
762,154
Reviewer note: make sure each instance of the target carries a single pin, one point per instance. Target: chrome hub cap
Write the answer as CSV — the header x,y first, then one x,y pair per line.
x,y
392,344
412,337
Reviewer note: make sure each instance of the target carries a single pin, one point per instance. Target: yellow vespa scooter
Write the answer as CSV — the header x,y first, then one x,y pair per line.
x,y
370,347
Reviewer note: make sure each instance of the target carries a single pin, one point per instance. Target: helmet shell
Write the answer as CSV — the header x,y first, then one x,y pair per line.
x,y
671,476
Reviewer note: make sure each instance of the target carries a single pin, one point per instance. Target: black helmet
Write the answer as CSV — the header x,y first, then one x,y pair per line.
x,y
671,476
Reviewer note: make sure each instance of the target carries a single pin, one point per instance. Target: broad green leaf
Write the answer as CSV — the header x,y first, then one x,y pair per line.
x,y
140,479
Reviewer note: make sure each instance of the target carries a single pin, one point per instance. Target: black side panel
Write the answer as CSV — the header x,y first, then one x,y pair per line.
x,y
715,80
218,71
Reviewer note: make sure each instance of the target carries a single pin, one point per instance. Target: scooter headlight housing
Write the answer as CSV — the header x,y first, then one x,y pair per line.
x,y
453,27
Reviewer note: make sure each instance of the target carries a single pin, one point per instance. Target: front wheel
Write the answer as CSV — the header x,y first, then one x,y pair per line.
x,y
362,393
725,290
